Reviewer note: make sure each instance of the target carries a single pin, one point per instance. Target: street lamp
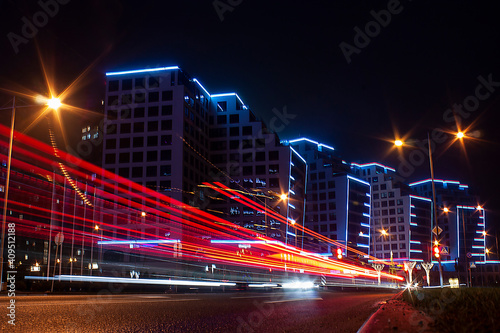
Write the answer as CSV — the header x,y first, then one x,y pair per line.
x,y
399,143
54,104
91,265
271,195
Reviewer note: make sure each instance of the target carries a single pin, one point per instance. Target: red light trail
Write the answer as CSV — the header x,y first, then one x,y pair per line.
x,y
53,192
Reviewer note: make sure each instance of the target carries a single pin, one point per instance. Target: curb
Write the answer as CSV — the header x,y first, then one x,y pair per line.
x,y
368,324
396,315
366,327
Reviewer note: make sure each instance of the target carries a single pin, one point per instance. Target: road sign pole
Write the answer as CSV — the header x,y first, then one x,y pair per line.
x,y
378,268
427,266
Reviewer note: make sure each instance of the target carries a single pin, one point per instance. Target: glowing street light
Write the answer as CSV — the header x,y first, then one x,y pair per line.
x,y
446,210
460,135
398,143
143,214
54,103
283,197
434,219
384,232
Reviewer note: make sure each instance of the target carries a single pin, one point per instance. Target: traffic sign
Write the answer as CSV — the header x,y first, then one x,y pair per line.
x,y
437,230
472,265
444,250
469,255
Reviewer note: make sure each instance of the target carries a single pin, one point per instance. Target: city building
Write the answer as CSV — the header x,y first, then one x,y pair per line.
x,y
461,221
338,203
157,134
466,247
400,220
164,130
249,159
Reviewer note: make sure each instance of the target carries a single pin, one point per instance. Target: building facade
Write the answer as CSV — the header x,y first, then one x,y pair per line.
x,y
338,203
401,221
164,130
461,221
250,160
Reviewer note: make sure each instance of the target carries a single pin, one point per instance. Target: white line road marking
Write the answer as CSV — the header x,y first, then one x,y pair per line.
x,y
101,301
295,299
235,297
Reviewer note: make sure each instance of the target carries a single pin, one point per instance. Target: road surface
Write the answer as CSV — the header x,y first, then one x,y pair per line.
x,y
294,311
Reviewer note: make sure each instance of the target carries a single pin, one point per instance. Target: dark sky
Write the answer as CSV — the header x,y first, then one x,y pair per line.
x,y
426,57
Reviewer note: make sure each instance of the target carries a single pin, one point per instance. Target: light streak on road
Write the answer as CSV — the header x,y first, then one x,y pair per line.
x,y
193,234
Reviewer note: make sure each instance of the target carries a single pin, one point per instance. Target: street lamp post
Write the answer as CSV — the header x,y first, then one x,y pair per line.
x,y
383,233
7,181
431,164
53,103
284,197
399,143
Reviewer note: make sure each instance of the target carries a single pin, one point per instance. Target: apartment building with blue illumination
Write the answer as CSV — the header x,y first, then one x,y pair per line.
x,y
400,220
157,134
252,161
165,131
461,219
338,203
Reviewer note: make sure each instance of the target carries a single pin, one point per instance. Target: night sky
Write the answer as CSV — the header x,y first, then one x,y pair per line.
x,y
401,77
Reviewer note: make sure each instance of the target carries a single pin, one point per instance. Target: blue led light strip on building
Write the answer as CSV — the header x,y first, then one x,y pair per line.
x,y
358,180
373,164
145,70
202,87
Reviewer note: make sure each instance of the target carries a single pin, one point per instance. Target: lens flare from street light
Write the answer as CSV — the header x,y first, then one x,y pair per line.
x,y
383,232
446,210
54,103
479,207
283,197
398,143
460,135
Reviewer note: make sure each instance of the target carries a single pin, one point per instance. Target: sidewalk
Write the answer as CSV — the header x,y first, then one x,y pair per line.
x,y
396,315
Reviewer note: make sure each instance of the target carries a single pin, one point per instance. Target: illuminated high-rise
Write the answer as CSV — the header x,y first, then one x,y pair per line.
x,y
400,220
338,202
164,130
461,221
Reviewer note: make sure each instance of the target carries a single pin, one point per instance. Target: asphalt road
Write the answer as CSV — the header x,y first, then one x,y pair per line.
x,y
297,311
